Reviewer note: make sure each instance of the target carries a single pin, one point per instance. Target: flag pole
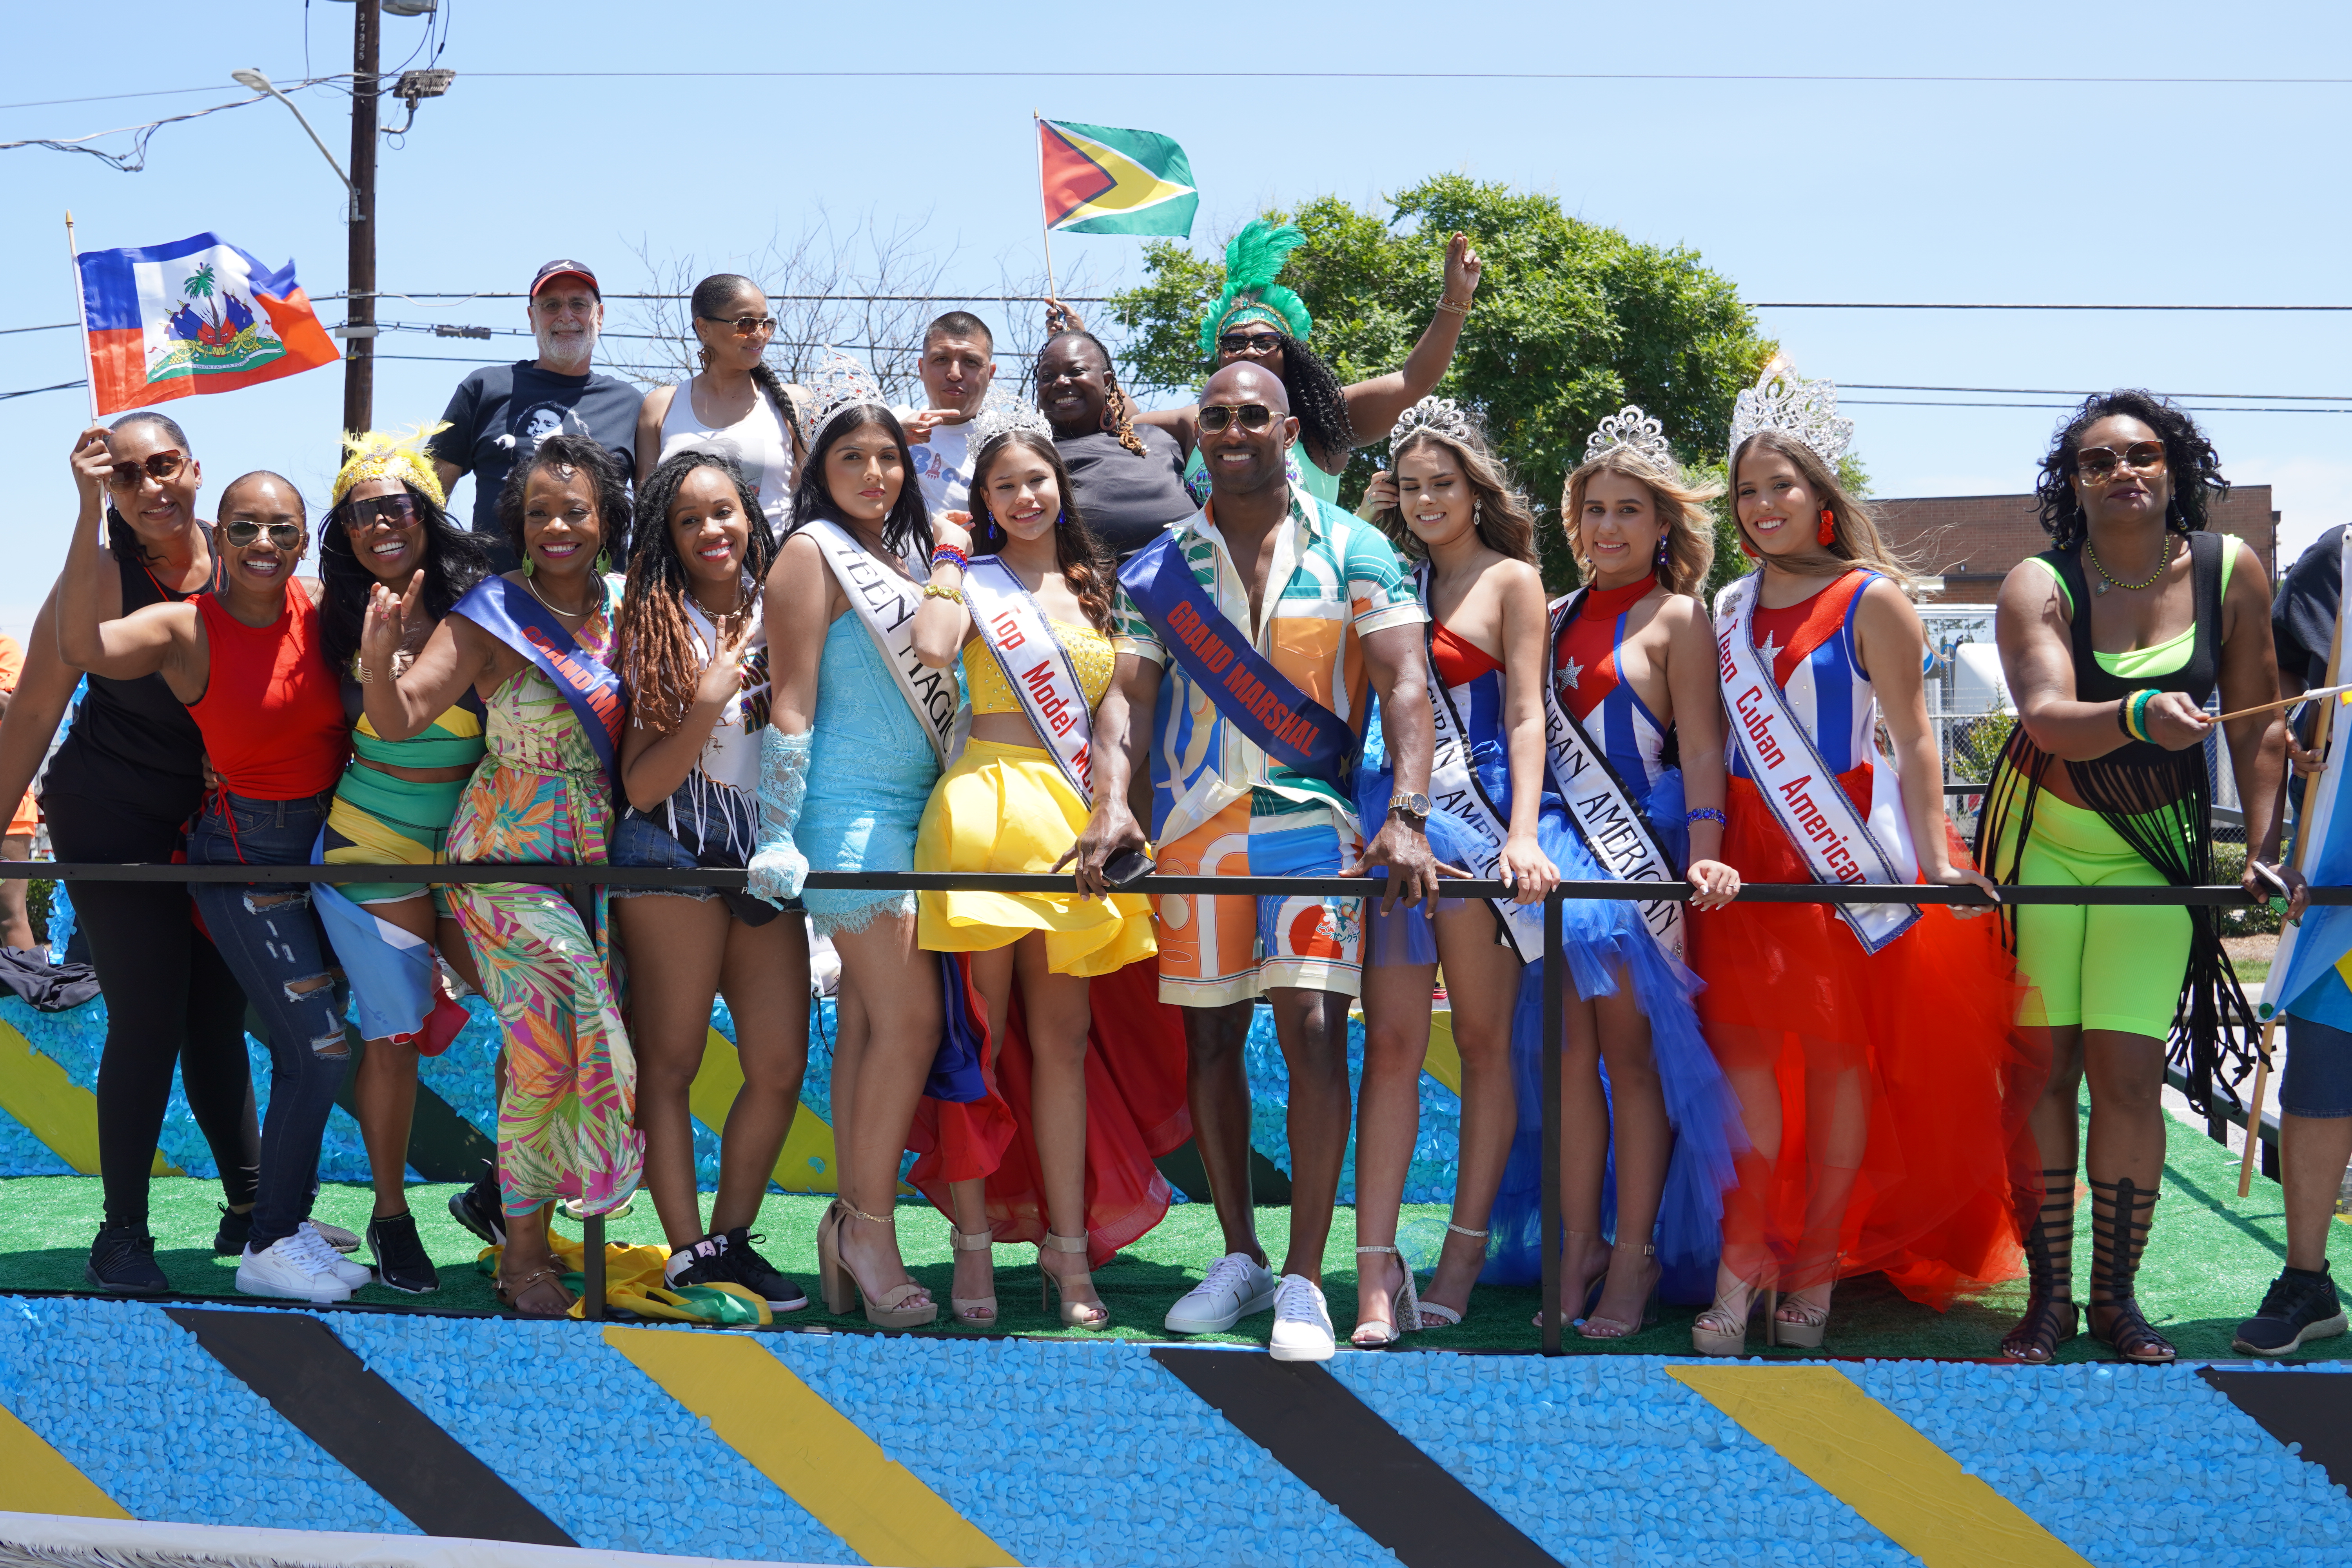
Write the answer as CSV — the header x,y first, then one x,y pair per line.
x,y
81,310
1045,219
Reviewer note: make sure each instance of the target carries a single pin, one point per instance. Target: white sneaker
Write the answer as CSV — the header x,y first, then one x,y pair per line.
x,y
351,1274
1302,1323
1237,1287
334,1236
290,1269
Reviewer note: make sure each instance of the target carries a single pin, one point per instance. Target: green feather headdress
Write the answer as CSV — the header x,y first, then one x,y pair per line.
x,y
1253,262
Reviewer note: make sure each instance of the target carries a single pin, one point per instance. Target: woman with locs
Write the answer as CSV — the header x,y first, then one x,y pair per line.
x,y
122,785
244,659
694,656
533,646
2112,641
736,405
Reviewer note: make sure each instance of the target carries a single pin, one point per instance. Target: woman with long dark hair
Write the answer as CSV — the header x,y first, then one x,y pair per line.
x,y
2111,642
693,655
736,405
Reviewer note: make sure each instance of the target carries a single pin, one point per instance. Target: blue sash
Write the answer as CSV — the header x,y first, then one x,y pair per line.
x,y
1281,720
517,619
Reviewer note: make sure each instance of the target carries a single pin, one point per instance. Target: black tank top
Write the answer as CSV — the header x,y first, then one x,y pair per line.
x,y
132,744
2093,683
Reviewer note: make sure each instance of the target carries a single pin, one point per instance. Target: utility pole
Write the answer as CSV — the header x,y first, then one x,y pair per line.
x,y
358,364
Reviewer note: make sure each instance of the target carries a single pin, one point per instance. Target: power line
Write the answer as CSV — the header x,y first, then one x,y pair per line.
x,y
2092,392
1357,75
2188,407
1888,305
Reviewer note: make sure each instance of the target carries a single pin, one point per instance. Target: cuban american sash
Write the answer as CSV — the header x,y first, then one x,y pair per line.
x,y
1797,782
1257,699
1603,810
886,604
516,618
1035,666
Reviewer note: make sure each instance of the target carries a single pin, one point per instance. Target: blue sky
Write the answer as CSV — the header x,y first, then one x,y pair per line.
x,y
2108,190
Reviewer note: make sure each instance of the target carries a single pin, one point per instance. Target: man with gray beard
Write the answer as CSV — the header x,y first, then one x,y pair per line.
x,y
499,414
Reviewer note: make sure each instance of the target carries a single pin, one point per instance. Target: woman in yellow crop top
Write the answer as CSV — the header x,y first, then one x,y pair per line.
x,y
1012,804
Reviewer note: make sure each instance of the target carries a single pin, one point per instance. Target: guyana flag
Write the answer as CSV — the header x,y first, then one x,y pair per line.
x,y
1101,180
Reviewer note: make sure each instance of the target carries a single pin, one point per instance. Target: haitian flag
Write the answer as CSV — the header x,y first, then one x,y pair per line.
x,y
196,316
1098,179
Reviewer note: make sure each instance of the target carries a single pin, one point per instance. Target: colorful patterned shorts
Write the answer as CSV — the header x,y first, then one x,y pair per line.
x,y
1234,947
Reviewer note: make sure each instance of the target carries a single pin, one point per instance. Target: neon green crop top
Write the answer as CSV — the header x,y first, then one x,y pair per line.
x,y
2172,652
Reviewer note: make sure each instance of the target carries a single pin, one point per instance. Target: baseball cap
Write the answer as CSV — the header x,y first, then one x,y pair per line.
x,y
564,268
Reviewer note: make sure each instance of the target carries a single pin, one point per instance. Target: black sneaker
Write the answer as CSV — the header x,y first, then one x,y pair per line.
x,y
2301,1306
480,1209
401,1263
704,1263
123,1262
235,1230
757,1274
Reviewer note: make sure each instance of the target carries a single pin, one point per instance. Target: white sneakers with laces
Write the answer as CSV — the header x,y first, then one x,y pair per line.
x,y
1237,1287
293,1269
1302,1323
351,1274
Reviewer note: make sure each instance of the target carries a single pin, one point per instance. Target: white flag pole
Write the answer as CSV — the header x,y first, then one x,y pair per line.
x,y
82,309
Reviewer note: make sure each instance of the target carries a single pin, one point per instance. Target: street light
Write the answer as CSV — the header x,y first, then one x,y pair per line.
x,y
252,78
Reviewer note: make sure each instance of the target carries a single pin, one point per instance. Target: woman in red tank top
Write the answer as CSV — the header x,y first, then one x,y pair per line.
x,y
244,659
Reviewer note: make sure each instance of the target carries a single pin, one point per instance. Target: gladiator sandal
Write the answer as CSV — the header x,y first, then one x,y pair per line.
x,y
2117,1236
2052,1315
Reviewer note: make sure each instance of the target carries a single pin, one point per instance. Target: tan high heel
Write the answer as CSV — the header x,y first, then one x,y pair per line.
x,y
977,1312
1404,1308
1722,1329
1437,1314
1075,1314
1588,1293
842,1293
1807,1327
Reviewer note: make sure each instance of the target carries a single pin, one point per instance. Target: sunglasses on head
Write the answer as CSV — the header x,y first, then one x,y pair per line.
x,y
245,531
157,465
2098,463
397,511
745,326
1249,342
1215,417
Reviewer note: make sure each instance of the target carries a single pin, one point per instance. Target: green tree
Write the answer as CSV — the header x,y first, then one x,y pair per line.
x,y
1573,320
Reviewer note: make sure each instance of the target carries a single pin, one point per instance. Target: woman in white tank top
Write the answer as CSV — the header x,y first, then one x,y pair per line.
x,y
737,406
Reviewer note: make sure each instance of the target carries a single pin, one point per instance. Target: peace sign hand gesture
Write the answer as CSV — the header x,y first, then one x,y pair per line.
x,y
386,627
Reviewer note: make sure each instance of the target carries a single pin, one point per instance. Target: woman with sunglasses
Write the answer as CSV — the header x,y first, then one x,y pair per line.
x,y
246,660
736,405
393,806
122,788
2112,642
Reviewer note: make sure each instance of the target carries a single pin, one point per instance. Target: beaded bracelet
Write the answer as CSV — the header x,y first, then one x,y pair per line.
x,y
950,553
939,591
2138,703
1706,814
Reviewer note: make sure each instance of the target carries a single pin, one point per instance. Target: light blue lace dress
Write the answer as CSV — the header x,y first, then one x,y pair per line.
x,y
871,769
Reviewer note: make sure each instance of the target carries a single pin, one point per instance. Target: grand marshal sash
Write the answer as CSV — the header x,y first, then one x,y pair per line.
x,y
1796,781
1035,666
1258,699
886,604
1599,803
516,618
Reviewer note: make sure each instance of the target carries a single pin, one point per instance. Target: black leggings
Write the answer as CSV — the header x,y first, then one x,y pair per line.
x,y
169,998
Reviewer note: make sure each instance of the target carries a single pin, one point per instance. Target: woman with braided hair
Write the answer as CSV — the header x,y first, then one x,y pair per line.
x,y
1128,477
737,406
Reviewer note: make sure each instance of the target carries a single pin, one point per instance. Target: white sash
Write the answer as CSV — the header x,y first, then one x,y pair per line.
x,y
1796,782
1035,666
1612,827
886,604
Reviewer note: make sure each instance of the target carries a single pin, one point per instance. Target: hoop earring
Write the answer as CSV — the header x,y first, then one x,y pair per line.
x,y
1827,533
703,354
528,565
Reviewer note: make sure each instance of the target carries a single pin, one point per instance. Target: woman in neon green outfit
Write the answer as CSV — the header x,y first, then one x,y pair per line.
x,y
2112,642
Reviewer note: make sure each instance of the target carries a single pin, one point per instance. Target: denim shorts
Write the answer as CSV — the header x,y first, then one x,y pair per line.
x,y
704,822
2318,1077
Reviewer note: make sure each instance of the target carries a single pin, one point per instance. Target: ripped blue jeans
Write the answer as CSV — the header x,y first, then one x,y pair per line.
x,y
274,946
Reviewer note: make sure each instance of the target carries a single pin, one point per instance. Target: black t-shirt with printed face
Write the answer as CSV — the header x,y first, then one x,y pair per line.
x,y
505,410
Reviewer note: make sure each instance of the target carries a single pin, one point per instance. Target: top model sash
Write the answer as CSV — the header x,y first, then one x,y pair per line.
x,y
1796,782
886,604
1258,699
516,618
1035,665
1603,810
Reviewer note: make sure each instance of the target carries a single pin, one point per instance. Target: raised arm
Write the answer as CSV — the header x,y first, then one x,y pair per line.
x,y
454,656
124,648
1373,405
1891,643
1526,665
1695,690
1397,659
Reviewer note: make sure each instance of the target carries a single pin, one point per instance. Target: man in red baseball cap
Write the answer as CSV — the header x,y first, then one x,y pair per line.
x,y
500,413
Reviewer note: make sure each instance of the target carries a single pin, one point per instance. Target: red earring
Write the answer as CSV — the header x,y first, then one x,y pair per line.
x,y
1827,533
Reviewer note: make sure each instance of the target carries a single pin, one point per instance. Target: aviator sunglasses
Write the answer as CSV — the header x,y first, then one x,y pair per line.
x,y
245,531
157,465
1215,417
2098,463
1249,342
394,511
745,326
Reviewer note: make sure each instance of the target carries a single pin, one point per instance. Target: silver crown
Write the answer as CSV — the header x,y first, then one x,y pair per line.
x,y
1000,414
838,384
1783,400
1634,432
1439,415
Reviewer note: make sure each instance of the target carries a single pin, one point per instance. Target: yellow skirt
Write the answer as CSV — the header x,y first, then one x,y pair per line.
x,y
1008,808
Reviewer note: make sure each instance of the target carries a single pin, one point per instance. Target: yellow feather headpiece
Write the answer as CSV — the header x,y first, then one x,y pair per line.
x,y
385,455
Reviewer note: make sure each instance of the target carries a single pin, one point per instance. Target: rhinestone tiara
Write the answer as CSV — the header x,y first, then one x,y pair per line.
x,y
1439,417
1000,415
1783,400
838,384
1630,429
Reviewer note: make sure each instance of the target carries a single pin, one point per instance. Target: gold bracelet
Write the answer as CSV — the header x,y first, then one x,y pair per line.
x,y
937,591
1450,305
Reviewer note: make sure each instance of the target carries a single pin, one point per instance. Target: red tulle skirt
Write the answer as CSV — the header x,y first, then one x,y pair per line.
x,y
1884,1094
1135,1113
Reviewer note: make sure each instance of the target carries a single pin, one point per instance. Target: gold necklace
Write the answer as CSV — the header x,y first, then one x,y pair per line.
x,y
2162,566
532,589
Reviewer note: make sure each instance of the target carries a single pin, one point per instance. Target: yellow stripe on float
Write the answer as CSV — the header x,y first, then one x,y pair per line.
x,y
811,1138
814,1453
35,1090
1443,1062
37,1478
1879,1465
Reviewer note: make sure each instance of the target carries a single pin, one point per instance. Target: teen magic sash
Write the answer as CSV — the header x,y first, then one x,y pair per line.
x,y
1796,782
886,604
1035,666
517,619
1257,699
1605,814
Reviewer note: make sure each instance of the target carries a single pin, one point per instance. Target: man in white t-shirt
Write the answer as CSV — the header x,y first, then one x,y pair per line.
x,y
959,362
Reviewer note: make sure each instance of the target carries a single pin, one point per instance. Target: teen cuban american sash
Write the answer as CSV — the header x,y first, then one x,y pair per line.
x,y
1796,782
886,604
1035,666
